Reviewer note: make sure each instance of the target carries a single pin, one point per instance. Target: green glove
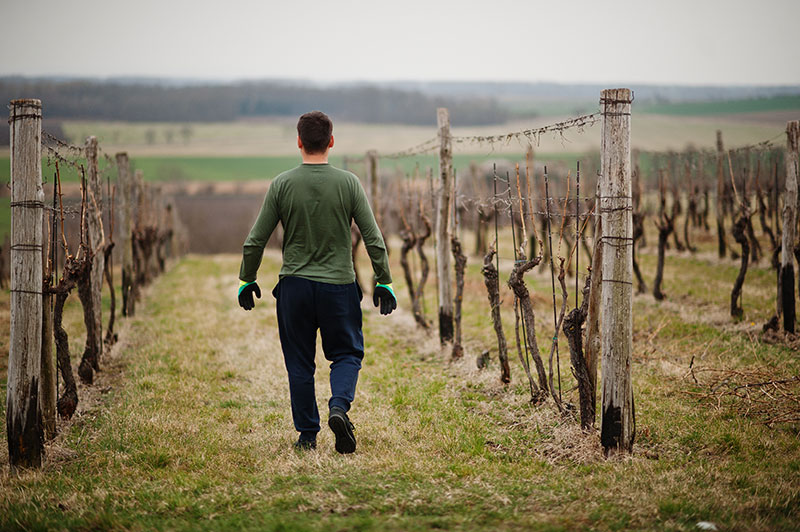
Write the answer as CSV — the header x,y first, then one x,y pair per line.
x,y
246,291
384,295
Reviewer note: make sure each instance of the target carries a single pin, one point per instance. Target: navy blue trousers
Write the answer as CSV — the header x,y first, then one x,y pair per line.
x,y
303,307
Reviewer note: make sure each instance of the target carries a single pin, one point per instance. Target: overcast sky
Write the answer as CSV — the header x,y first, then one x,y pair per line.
x,y
663,42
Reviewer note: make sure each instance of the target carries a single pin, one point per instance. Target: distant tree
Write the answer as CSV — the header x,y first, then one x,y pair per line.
x,y
150,136
186,133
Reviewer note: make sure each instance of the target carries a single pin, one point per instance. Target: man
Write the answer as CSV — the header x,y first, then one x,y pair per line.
x,y
316,204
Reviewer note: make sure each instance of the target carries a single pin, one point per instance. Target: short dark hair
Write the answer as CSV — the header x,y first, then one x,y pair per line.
x,y
315,130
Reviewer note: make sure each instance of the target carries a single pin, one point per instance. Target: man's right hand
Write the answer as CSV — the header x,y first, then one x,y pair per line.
x,y
246,291
384,296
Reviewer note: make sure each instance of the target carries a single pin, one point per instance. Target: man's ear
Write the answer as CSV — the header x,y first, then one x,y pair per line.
x,y
330,144
299,142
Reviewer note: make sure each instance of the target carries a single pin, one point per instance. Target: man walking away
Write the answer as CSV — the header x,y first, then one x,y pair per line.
x,y
316,204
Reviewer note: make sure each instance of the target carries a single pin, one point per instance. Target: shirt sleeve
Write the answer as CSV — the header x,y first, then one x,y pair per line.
x,y
373,239
253,249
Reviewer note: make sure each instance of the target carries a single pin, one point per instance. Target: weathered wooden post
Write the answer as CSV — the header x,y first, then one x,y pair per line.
x,y
125,184
139,223
374,186
23,414
96,239
442,228
594,345
786,302
617,299
718,206
47,369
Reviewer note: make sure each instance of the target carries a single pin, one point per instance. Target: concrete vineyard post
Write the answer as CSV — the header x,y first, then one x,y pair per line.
x,y
442,227
23,414
617,271
786,292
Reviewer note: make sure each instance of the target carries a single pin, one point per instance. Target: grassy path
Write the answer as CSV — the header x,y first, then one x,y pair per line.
x,y
194,431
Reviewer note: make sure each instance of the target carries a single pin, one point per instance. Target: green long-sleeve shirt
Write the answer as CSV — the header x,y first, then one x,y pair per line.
x,y
316,204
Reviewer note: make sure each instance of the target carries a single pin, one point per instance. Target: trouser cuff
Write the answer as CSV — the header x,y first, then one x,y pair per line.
x,y
308,436
339,403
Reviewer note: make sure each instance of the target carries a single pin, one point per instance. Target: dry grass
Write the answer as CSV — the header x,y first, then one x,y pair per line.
x,y
194,430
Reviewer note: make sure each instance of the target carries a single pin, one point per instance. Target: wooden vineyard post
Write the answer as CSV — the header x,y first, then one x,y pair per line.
x,y
593,342
374,187
23,414
126,242
96,239
460,261
442,228
139,228
139,272
786,301
48,392
718,207
617,298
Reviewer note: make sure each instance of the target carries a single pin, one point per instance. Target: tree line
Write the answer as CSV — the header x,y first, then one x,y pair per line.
x,y
151,101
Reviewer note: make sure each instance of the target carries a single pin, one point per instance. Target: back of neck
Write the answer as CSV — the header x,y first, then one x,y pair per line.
x,y
317,158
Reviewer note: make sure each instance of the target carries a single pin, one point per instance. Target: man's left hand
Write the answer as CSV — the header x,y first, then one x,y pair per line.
x,y
246,291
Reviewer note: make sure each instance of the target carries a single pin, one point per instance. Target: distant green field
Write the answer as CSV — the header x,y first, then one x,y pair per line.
x,y
69,174
782,103
247,168
212,168
182,168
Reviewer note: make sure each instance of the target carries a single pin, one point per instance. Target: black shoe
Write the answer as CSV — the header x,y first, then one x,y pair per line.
x,y
343,430
305,445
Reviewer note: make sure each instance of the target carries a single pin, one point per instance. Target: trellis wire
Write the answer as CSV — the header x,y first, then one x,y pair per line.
x,y
78,151
532,135
422,148
468,202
